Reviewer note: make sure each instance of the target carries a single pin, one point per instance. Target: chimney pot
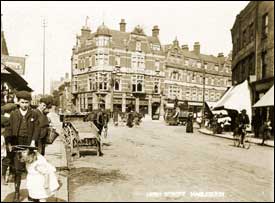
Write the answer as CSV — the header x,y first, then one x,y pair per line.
x,y
122,25
197,48
155,31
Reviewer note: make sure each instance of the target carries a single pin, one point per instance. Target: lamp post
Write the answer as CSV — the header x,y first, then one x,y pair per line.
x,y
113,80
203,93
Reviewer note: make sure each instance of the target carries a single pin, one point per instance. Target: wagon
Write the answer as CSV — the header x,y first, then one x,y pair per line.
x,y
80,134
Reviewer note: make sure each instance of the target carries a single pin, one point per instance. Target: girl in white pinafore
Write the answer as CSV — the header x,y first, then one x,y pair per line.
x,y
41,178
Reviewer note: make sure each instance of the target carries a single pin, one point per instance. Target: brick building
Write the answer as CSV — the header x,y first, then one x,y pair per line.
x,y
117,67
123,68
185,72
253,50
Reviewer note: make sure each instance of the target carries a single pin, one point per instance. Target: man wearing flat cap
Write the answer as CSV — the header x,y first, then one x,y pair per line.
x,y
22,130
43,121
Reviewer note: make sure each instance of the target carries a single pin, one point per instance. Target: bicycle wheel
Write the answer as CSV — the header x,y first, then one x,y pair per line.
x,y
246,143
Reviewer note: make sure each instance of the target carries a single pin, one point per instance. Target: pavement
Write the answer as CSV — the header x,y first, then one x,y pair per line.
x,y
56,155
229,135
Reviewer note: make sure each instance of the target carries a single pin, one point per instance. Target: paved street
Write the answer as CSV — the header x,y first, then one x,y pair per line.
x,y
155,162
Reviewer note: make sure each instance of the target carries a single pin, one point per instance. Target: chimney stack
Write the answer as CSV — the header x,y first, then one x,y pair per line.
x,y
197,48
155,31
185,47
122,25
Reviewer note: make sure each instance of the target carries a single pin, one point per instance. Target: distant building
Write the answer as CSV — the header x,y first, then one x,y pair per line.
x,y
185,71
56,83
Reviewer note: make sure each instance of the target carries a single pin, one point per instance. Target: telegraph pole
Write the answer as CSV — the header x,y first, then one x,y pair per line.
x,y
44,31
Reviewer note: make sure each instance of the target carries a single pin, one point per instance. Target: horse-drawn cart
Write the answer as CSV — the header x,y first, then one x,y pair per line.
x,y
80,134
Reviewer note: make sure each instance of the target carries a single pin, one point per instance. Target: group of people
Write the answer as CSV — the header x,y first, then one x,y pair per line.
x,y
23,141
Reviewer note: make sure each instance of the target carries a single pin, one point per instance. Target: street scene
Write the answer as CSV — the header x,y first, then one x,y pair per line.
x,y
110,105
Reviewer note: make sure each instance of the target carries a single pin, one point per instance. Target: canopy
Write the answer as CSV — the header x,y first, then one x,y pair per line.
x,y
267,99
237,98
14,79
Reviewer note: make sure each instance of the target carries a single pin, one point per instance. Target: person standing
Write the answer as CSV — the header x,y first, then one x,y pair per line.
x,y
22,130
243,122
189,125
6,161
43,124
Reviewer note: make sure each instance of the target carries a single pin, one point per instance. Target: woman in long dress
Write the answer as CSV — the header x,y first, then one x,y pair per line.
x,y
189,125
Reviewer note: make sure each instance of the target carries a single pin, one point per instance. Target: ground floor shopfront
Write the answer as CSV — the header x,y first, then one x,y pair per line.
x,y
261,114
151,104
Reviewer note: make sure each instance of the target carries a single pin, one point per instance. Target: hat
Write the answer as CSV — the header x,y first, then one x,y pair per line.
x,y
24,95
47,100
7,108
23,147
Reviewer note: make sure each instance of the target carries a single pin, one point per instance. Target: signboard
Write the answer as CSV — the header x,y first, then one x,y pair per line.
x,y
15,63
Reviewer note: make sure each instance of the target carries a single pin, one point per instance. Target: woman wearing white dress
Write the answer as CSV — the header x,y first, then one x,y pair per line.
x,y
41,178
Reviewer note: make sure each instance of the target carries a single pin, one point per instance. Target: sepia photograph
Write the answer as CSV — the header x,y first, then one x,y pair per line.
x,y
137,101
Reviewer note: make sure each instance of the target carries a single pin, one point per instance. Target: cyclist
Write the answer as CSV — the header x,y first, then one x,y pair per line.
x,y
243,121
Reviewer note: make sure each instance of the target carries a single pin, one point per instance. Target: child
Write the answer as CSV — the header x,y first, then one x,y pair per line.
x,y
41,178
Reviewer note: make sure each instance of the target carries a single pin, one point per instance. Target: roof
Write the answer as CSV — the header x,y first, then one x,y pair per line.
x,y
267,99
231,99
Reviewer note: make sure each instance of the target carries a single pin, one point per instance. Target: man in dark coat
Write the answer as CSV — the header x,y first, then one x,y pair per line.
x,y
22,130
243,122
43,120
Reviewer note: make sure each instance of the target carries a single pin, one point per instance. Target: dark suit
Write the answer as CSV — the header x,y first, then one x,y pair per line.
x,y
43,131
14,137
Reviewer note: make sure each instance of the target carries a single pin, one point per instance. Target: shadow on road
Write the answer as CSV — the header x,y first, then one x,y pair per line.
x,y
24,197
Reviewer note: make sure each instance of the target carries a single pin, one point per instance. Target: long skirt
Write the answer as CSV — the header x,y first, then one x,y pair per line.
x,y
189,127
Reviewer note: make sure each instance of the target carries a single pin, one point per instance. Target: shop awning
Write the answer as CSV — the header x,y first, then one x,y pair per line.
x,y
237,98
14,79
267,99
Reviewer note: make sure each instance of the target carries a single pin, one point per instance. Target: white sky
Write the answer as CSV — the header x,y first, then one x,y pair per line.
x,y
206,22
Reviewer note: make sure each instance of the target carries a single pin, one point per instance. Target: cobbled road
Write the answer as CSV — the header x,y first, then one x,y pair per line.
x,y
156,162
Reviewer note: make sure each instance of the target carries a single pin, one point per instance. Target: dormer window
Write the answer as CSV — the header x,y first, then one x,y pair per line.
x,y
102,41
138,46
156,47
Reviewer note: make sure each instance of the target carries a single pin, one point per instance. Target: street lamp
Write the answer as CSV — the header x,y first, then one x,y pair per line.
x,y
203,93
113,81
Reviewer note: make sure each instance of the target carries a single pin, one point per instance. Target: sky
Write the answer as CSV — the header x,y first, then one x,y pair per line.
x,y
206,22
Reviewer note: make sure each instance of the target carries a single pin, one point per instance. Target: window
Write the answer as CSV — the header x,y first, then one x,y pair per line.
x,y
102,41
75,84
102,58
175,75
157,65
174,91
244,38
186,62
216,67
156,85
251,65
137,83
251,32
265,25
198,64
117,61
264,64
212,81
90,85
117,84
138,46
156,47
138,60
102,80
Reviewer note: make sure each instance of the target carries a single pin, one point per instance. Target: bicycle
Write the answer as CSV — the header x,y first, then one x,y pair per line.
x,y
237,139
